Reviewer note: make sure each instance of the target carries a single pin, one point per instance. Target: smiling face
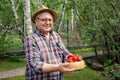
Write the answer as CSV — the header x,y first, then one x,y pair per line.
x,y
44,22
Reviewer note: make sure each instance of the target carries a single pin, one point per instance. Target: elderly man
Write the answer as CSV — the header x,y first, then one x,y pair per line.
x,y
45,52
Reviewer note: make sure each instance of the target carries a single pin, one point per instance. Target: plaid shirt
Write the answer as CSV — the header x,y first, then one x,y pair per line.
x,y
40,50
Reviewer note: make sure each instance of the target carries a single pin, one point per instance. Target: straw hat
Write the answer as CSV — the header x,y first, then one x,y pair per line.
x,y
44,9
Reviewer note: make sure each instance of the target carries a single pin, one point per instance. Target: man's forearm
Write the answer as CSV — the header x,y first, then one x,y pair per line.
x,y
49,68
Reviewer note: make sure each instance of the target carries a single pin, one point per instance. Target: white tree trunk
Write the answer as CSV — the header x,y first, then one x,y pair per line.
x,y
72,20
27,17
62,15
16,20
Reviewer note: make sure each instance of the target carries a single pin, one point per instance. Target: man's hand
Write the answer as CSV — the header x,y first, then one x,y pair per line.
x,y
62,68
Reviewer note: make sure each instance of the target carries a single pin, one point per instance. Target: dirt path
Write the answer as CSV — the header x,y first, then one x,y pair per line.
x,y
12,73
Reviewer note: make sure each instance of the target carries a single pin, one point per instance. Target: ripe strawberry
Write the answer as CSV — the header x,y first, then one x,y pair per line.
x,y
75,59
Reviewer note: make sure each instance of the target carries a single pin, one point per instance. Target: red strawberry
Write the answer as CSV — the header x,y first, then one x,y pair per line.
x,y
70,58
75,59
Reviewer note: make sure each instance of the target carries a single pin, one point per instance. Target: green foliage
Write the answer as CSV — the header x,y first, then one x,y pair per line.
x,y
4,44
112,72
97,22
5,12
101,24
9,43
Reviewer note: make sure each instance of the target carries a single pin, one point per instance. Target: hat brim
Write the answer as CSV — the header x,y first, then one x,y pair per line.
x,y
54,14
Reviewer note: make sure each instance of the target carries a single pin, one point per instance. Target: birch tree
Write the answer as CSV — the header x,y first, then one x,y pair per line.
x,y
27,17
15,15
62,15
72,21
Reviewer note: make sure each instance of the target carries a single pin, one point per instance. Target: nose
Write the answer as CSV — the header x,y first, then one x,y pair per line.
x,y
47,21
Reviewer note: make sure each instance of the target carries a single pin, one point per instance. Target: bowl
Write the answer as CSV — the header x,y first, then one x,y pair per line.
x,y
76,65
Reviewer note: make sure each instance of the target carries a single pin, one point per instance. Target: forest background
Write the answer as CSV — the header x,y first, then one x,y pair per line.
x,y
94,23
81,24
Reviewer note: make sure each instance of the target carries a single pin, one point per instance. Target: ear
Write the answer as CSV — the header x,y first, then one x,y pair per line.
x,y
36,20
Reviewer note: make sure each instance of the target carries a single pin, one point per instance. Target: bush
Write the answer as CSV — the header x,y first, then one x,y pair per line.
x,y
112,72
4,44
9,43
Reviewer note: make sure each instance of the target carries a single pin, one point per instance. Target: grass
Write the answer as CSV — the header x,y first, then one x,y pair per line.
x,y
82,51
15,78
12,63
85,74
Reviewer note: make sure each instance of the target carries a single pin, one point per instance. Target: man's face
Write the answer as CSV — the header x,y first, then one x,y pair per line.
x,y
44,22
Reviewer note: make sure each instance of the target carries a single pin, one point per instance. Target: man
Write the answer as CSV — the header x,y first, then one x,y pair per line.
x,y
45,52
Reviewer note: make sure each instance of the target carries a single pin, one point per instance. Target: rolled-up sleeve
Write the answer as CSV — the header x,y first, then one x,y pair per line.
x,y
33,55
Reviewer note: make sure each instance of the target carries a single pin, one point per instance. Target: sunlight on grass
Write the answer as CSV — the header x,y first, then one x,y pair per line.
x,y
82,51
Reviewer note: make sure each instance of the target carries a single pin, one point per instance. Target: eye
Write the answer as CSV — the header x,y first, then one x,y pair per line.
x,y
44,20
